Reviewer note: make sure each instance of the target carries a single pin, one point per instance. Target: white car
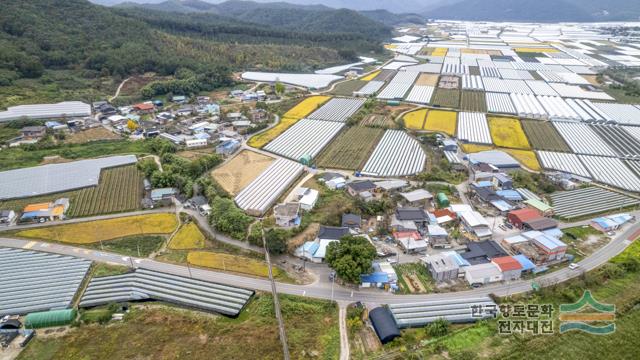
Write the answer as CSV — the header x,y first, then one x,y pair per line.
x,y
573,266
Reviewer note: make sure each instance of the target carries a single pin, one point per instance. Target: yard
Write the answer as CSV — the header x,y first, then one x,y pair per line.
x,y
304,108
236,174
508,133
162,332
415,119
351,149
413,278
93,134
441,121
101,230
188,237
120,189
447,98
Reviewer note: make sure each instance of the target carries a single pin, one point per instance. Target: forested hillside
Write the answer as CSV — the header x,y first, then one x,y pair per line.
x,y
59,49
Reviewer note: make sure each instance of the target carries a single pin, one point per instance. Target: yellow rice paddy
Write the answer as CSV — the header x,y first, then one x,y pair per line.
x,y
441,121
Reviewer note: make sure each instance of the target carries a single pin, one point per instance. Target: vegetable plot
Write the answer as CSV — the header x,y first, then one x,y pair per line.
x,y
350,149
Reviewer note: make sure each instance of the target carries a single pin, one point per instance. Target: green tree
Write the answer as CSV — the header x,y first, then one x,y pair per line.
x,y
148,166
279,88
350,257
276,240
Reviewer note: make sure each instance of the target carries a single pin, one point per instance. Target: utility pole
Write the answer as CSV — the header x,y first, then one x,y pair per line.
x,y
276,301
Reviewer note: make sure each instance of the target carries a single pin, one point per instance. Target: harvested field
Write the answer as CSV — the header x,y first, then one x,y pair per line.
x,y
378,121
473,101
101,230
427,80
240,171
415,119
448,98
348,87
350,149
94,134
449,82
304,108
441,121
544,136
508,133
120,189
188,237
195,154
370,76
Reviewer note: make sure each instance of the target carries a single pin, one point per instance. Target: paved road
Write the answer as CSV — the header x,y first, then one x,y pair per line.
x,y
322,289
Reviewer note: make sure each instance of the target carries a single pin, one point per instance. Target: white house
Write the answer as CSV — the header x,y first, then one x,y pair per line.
x,y
482,274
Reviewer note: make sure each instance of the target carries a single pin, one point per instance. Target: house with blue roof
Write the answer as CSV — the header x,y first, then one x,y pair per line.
x,y
611,222
527,265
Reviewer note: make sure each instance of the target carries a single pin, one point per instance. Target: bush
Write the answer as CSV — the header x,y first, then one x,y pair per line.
x,y
438,328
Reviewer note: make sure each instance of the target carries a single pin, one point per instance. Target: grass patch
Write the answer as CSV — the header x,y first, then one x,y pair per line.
x,y
139,246
165,333
188,237
101,230
348,87
102,270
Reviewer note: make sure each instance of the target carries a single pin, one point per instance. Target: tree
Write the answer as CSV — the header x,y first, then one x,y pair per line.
x,y
279,88
132,125
147,166
438,328
350,257
276,240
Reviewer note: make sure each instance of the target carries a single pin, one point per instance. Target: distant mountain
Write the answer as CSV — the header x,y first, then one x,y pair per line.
x,y
394,6
391,19
281,15
538,10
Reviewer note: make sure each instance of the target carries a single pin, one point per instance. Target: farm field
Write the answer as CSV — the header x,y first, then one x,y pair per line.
x,y
350,149
188,237
100,230
94,134
474,148
448,98
508,133
348,87
525,157
543,136
228,262
427,80
473,101
370,76
378,121
162,332
415,119
196,153
304,108
120,189
441,121
240,171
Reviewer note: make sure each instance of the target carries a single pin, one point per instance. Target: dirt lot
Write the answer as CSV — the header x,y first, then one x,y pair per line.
x,y
427,80
236,174
93,134
195,154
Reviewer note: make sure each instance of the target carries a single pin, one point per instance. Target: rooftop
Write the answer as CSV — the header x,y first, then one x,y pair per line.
x,y
507,263
332,232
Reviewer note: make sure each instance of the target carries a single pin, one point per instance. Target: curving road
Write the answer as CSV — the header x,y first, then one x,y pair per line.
x,y
326,290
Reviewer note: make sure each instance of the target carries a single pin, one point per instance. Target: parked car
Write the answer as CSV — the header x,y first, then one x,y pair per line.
x,y
573,266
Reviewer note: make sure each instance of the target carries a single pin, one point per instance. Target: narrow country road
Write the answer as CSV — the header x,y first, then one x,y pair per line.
x,y
119,88
344,334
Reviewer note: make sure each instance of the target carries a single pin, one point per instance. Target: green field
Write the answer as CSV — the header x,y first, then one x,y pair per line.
x,y
120,189
473,101
448,98
351,149
348,87
169,333
138,246
543,136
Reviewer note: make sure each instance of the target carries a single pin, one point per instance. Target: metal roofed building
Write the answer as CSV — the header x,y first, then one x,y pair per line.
x,y
496,158
482,252
482,274
65,109
53,178
36,281
455,311
441,267
384,324
510,267
417,195
146,284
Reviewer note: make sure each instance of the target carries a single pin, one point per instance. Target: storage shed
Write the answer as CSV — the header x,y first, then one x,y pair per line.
x,y
384,324
49,318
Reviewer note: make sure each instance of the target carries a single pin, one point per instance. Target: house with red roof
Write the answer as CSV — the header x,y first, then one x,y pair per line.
x,y
510,267
519,217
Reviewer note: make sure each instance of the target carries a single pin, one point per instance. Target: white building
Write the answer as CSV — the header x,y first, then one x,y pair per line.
x,y
482,274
